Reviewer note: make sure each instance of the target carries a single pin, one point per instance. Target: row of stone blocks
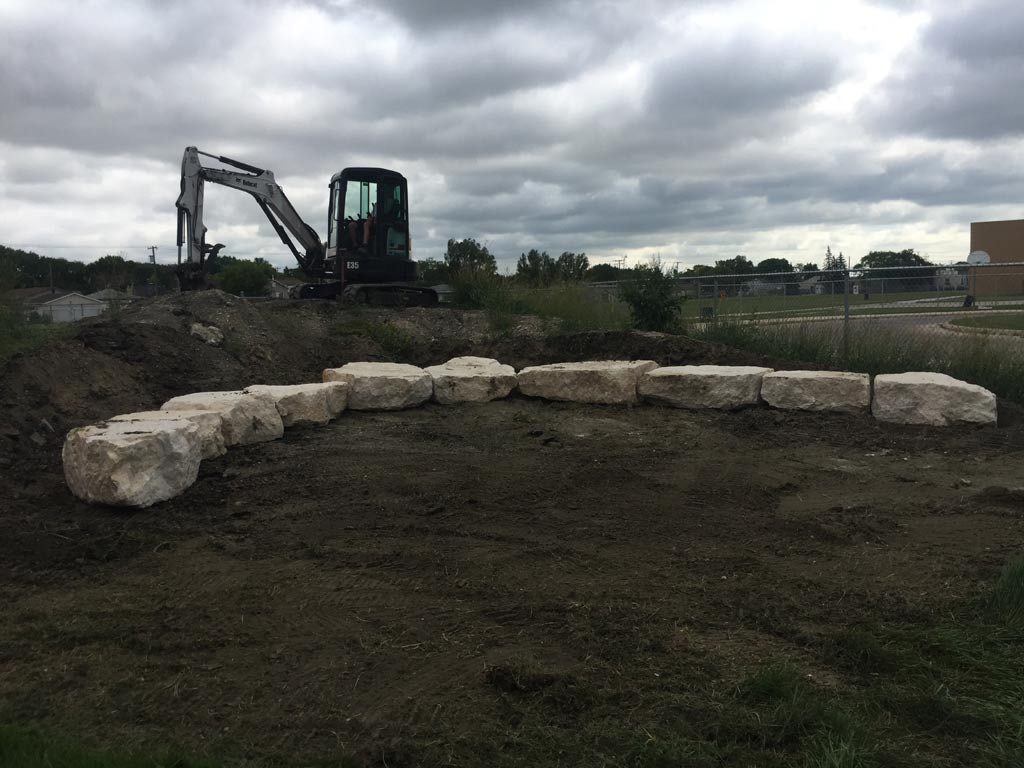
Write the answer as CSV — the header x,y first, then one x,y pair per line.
x,y
139,459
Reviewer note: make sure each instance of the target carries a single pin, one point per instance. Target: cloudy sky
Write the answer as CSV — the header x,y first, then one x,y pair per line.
x,y
692,129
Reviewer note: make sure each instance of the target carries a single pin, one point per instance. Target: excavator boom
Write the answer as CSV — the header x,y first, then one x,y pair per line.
x,y
193,251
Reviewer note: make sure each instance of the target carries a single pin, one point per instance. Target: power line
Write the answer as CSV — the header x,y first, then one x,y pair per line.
x,y
83,245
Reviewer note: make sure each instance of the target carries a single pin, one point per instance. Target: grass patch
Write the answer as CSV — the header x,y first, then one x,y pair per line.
x,y
1007,600
875,349
569,307
392,340
1001,322
28,748
19,335
573,308
31,338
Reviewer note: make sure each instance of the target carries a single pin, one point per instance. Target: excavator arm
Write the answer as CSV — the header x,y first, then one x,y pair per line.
x,y
193,252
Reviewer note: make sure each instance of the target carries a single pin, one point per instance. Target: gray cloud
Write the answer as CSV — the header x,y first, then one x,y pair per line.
x,y
604,126
964,81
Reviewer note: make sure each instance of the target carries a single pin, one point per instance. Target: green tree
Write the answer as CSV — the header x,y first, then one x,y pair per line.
x,y
738,265
536,268
907,270
774,265
245,278
601,273
110,272
652,298
699,270
469,255
572,267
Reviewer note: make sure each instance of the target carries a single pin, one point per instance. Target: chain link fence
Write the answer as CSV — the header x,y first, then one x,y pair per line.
x,y
965,320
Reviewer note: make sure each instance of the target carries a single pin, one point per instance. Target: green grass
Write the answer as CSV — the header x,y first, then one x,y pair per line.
x,y
17,335
568,307
29,748
393,341
875,349
573,308
1007,600
1005,322
872,695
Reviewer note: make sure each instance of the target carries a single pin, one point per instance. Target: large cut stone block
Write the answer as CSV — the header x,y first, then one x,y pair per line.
x,y
248,418
704,386
471,380
931,398
817,390
132,464
210,423
595,381
306,403
383,386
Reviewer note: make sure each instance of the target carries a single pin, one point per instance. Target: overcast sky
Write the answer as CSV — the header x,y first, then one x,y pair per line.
x,y
694,130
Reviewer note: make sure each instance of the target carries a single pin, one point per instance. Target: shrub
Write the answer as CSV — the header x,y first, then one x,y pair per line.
x,y
652,299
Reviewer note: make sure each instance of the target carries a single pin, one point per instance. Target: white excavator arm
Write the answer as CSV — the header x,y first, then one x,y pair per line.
x,y
193,252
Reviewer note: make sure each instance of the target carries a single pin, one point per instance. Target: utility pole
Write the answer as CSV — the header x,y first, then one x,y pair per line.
x,y
152,260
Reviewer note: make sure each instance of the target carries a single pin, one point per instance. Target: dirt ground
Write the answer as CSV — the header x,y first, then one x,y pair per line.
x,y
475,585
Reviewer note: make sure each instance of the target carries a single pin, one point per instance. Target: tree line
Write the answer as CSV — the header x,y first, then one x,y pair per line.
x,y
27,269
534,268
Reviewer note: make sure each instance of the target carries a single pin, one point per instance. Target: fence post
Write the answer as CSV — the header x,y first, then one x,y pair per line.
x,y
846,316
716,299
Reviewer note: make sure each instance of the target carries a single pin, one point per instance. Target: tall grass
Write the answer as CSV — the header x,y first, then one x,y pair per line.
x,y
568,306
19,334
1007,599
574,308
873,348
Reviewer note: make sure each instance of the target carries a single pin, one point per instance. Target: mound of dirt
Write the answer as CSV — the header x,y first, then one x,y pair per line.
x,y
147,354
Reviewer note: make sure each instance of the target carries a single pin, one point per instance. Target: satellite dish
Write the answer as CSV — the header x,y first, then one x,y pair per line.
x,y
978,257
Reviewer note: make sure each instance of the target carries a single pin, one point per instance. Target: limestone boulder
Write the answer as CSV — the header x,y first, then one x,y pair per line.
x,y
471,380
596,381
248,418
306,403
725,387
383,386
817,390
209,334
132,464
931,398
210,423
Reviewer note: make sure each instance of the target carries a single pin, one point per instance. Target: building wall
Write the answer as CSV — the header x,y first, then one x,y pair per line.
x,y
1003,241
69,308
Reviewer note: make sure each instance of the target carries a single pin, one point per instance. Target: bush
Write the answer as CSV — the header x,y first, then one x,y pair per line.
x,y
652,299
245,278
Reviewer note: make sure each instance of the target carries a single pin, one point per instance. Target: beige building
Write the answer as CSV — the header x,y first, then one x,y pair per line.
x,y
1003,241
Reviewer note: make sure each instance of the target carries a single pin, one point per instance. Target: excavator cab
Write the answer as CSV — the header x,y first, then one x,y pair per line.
x,y
368,227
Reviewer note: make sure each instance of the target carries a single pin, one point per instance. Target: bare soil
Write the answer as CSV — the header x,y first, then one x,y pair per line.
x,y
479,585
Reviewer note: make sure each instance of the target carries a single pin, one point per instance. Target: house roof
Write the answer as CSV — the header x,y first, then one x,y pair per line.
x,y
49,299
287,280
108,294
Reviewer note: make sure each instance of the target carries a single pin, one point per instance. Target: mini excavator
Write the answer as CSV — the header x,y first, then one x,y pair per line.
x,y
367,257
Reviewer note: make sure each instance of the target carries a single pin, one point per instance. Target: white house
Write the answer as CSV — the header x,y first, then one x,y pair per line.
x,y
57,305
